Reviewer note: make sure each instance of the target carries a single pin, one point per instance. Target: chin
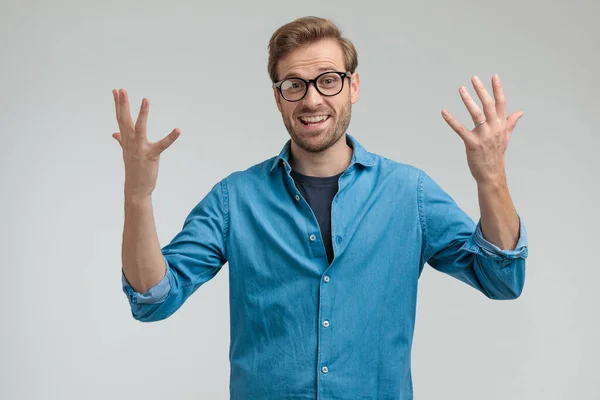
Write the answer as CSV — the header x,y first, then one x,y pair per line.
x,y
315,142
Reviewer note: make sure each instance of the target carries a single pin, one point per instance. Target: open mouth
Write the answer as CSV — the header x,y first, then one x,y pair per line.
x,y
314,121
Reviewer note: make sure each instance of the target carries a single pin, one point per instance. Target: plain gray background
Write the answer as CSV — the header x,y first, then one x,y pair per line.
x,y
66,328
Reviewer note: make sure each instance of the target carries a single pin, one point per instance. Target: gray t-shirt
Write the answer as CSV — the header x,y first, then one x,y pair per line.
x,y
319,192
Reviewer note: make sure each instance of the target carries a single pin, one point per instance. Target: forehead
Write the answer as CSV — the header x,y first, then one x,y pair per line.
x,y
312,59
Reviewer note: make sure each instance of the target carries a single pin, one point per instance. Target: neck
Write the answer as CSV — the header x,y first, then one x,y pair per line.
x,y
330,162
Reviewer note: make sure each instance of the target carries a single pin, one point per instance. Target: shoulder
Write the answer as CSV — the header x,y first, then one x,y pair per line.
x,y
252,176
404,172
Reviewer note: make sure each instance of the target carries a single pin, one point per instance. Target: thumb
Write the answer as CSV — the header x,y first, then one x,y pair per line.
x,y
167,141
512,120
117,136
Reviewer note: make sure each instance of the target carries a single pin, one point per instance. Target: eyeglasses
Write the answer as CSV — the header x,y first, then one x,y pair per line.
x,y
327,84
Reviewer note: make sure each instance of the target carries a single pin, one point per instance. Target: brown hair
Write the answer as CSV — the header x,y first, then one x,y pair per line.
x,y
303,31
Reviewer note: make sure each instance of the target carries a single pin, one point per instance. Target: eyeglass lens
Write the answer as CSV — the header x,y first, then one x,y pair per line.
x,y
328,84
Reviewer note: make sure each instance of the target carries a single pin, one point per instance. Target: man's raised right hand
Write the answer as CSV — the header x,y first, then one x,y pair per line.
x,y
141,157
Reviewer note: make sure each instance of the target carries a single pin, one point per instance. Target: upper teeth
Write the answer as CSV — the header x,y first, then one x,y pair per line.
x,y
314,119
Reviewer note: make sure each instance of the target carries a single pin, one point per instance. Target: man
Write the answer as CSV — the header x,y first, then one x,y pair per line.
x,y
326,241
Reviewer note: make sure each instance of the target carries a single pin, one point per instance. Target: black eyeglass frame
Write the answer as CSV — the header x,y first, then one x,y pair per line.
x,y
342,75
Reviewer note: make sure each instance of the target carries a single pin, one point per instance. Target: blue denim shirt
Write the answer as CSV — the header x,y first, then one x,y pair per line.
x,y
301,328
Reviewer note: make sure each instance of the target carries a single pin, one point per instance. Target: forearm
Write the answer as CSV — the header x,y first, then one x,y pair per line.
x,y
143,262
499,219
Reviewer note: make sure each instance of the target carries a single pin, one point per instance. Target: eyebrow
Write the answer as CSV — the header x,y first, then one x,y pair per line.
x,y
319,70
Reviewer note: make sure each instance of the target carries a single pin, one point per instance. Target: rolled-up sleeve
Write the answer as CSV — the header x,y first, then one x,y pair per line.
x,y
478,244
157,294
194,256
453,244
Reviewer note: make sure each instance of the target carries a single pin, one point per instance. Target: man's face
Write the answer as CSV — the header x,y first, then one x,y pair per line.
x,y
307,62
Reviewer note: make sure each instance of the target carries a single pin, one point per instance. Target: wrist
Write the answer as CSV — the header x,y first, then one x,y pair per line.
x,y
137,198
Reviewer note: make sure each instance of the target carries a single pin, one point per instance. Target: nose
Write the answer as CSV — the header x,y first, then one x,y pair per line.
x,y
313,97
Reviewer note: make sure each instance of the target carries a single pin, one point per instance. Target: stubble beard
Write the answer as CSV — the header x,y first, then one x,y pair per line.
x,y
329,138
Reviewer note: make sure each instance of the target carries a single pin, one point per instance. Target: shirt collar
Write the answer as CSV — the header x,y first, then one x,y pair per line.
x,y
359,154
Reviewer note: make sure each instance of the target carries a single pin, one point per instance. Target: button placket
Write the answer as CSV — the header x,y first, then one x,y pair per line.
x,y
325,323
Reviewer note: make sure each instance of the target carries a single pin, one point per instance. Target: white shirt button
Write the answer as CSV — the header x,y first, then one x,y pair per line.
x,y
297,197
313,237
326,279
324,370
325,323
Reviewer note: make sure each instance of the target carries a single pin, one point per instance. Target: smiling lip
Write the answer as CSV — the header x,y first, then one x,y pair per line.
x,y
316,126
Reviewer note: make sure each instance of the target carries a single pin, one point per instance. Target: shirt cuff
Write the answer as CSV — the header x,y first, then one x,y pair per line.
x,y
478,244
157,294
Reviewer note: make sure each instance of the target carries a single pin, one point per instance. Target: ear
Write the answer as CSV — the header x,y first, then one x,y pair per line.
x,y
277,98
354,87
